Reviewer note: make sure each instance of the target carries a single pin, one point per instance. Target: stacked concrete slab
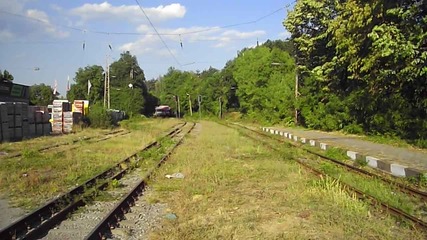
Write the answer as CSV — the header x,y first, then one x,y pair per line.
x,y
61,115
18,121
38,121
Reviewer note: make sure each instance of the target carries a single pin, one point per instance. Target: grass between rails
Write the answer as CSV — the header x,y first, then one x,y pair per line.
x,y
35,177
235,189
372,186
37,143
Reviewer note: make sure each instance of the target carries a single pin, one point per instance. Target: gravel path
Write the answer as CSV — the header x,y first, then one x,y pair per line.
x,y
9,214
413,158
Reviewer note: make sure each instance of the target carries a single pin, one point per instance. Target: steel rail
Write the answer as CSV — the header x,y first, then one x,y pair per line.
x,y
361,195
41,219
108,135
120,209
400,186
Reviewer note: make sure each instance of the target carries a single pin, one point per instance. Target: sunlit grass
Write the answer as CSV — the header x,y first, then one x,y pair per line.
x,y
236,189
35,177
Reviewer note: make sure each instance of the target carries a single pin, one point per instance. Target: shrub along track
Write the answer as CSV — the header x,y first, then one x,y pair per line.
x,y
360,194
92,139
38,222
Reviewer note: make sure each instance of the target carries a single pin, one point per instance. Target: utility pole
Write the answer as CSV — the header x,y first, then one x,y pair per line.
x,y
220,107
189,102
199,100
107,84
296,96
296,89
179,107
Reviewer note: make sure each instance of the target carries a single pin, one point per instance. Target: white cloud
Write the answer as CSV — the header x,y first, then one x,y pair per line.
x,y
105,10
285,35
12,6
56,7
229,36
48,26
6,35
220,37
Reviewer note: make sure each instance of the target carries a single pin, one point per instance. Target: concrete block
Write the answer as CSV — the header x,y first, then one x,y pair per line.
x,y
303,140
18,120
32,130
397,170
67,120
46,117
286,134
324,146
372,161
312,143
3,112
290,135
295,138
18,134
5,132
47,128
352,155
67,114
272,131
10,108
25,129
39,129
384,166
410,172
281,133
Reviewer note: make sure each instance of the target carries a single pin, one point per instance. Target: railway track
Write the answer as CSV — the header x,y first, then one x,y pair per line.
x,y
37,223
360,194
123,209
402,187
92,139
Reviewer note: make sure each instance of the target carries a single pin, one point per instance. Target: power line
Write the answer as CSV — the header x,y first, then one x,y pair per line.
x,y
152,25
150,34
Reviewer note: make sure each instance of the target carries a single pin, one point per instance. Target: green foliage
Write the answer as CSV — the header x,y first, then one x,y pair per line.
x,y
41,95
134,123
79,90
248,84
265,90
6,76
362,65
99,117
353,128
128,90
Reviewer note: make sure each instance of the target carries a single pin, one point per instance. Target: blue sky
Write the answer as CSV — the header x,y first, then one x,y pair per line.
x,y
48,35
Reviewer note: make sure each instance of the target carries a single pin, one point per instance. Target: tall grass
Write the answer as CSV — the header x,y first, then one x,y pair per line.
x,y
36,177
236,189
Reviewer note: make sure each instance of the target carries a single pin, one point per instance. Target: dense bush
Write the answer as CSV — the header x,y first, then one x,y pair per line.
x,y
99,117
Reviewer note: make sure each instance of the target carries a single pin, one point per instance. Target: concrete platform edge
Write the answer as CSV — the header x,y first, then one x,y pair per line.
x,y
373,162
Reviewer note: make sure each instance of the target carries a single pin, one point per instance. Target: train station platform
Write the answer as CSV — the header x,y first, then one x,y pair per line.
x,y
399,161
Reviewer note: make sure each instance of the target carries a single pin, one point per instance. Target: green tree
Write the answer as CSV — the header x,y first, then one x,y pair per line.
x,y
362,63
128,88
41,95
79,90
6,76
265,91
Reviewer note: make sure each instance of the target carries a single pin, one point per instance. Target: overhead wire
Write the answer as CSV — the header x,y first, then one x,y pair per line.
x,y
160,37
84,31
149,34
